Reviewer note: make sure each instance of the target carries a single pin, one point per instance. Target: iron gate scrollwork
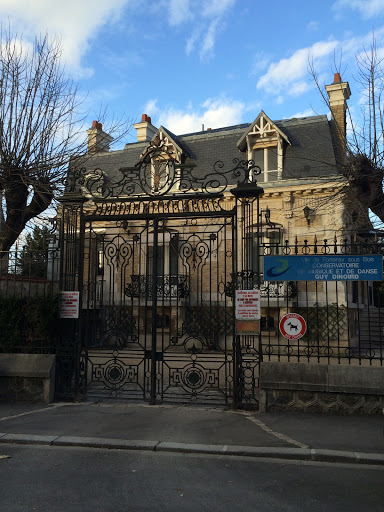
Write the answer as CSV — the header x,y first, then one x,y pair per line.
x,y
157,249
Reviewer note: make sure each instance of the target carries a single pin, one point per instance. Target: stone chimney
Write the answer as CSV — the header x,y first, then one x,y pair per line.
x,y
145,129
338,93
97,139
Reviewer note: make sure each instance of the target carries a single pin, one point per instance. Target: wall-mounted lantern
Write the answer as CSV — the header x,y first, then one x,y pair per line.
x,y
307,212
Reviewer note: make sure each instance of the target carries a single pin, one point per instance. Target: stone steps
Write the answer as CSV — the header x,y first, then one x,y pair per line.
x,y
371,325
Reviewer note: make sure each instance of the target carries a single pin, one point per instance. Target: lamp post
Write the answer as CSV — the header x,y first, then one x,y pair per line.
x,y
247,196
248,204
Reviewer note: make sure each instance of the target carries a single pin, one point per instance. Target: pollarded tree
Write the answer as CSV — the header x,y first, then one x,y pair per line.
x,y
365,171
40,112
361,157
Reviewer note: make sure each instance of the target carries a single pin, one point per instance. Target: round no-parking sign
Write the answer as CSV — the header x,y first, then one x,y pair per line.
x,y
292,326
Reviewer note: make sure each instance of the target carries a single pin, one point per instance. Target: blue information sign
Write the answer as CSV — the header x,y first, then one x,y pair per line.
x,y
324,268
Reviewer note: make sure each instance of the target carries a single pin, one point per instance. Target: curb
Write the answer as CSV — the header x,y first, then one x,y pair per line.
x,y
308,454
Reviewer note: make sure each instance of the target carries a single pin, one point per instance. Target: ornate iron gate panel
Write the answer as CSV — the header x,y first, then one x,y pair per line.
x,y
157,319
158,248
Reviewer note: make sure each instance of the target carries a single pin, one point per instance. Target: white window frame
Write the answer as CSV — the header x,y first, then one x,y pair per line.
x,y
266,171
264,136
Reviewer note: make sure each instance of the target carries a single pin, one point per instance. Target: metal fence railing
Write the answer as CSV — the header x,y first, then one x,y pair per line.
x,y
29,301
344,318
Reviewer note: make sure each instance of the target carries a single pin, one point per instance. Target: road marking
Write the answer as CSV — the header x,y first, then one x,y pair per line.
x,y
34,411
283,437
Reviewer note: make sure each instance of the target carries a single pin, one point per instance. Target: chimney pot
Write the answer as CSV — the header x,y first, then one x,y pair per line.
x,y
209,129
336,78
144,118
97,125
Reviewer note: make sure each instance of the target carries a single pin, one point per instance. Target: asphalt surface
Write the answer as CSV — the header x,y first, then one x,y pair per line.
x,y
349,439
38,478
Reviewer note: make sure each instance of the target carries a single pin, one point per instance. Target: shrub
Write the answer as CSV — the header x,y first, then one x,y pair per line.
x,y
28,324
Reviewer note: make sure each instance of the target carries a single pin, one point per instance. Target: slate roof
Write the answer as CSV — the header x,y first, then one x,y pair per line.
x,y
310,153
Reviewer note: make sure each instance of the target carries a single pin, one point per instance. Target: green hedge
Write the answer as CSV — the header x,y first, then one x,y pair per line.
x,y
28,323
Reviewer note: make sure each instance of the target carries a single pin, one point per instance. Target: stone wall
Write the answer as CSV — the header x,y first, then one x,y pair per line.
x,y
27,377
320,388
21,389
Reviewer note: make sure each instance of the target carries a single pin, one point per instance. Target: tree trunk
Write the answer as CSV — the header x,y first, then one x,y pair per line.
x,y
366,184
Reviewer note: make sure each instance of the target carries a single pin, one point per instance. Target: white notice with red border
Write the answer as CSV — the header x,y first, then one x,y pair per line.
x,y
292,326
247,304
69,305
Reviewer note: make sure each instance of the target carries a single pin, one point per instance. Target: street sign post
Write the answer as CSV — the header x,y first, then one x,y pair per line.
x,y
292,326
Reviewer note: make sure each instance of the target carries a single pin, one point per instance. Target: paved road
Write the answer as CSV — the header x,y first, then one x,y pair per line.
x,y
49,479
196,430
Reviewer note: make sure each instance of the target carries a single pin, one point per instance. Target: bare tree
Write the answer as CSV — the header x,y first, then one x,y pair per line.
x,y
40,130
362,163
365,171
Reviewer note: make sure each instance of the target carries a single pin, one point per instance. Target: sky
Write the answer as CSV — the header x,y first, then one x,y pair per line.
x,y
188,63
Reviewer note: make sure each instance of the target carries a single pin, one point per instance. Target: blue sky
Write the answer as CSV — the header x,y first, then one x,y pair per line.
x,y
214,62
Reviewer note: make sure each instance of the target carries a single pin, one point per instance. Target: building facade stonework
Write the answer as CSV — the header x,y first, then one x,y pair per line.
x,y
166,241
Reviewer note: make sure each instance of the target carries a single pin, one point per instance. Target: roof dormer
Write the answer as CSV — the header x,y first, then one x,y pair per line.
x,y
160,161
263,142
164,146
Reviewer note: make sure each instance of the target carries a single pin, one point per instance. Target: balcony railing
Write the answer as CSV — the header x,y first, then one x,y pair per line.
x,y
167,287
268,289
273,290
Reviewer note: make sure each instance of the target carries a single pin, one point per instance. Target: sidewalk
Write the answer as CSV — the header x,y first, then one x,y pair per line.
x,y
196,430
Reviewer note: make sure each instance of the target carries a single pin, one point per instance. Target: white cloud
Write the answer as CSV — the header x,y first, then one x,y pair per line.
x,y
206,18
191,41
290,76
75,22
299,88
366,8
305,113
260,62
151,107
213,113
213,8
287,74
179,12
313,26
206,50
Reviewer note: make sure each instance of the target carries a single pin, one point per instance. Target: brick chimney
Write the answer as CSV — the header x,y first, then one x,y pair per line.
x,y
97,139
338,93
145,129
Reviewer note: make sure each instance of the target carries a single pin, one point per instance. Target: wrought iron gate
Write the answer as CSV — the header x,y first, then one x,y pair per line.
x,y
154,257
157,324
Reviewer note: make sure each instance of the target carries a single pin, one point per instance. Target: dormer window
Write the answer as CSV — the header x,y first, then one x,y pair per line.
x,y
158,163
264,144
